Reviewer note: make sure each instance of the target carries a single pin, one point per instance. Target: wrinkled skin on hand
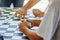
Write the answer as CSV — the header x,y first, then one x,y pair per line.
x,y
20,13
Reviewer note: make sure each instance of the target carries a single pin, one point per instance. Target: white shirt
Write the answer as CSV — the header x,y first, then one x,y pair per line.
x,y
41,5
50,21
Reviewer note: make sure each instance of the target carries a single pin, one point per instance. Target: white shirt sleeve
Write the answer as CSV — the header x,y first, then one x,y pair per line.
x,y
49,23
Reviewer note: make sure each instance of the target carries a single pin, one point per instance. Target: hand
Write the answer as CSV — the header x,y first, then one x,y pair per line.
x,y
38,13
22,26
21,12
34,22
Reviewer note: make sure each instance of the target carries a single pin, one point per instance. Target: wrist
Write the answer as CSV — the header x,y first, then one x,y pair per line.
x,y
24,8
25,30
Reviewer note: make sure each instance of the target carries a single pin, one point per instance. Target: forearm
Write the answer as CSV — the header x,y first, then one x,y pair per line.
x,y
31,35
30,4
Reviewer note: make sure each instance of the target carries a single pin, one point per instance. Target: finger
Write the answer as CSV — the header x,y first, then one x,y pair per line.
x,y
15,14
19,17
23,14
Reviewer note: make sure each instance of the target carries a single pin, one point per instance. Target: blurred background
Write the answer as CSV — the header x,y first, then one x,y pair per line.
x,y
19,3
